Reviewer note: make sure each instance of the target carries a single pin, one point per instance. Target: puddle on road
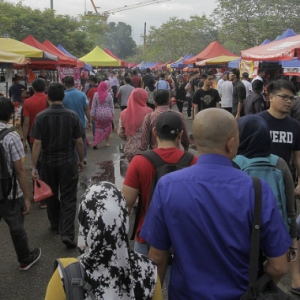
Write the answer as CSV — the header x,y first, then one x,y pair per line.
x,y
110,170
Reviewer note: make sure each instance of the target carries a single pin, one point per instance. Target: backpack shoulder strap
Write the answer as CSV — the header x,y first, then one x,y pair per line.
x,y
73,280
186,159
154,158
274,160
5,131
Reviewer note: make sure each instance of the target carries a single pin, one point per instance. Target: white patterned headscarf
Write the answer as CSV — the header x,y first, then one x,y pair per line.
x,y
113,270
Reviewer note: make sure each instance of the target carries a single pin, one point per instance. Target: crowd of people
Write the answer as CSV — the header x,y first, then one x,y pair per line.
x,y
193,233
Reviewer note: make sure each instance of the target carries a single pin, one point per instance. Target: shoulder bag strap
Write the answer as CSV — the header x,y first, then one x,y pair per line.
x,y
186,159
254,252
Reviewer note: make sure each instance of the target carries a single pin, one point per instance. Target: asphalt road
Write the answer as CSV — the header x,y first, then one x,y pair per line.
x,y
103,164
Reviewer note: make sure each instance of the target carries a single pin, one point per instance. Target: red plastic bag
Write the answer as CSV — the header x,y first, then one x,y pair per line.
x,y
42,190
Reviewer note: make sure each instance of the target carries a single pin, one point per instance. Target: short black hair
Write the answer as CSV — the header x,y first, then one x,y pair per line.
x,y
236,72
162,75
94,79
277,85
245,75
134,72
7,109
205,75
161,97
69,81
127,79
148,70
260,70
39,85
56,92
257,85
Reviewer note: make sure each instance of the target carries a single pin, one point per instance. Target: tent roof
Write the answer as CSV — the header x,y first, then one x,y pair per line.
x,y
266,41
295,63
123,63
214,49
132,65
158,65
277,50
170,61
20,48
288,33
62,58
8,57
222,59
80,64
98,58
179,64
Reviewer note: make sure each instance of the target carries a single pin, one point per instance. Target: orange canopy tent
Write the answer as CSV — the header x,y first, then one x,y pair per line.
x,y
123,63
62,58
214,49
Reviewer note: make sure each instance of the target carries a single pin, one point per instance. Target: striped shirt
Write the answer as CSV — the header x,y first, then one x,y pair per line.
x,y
148,140
58,128
14,151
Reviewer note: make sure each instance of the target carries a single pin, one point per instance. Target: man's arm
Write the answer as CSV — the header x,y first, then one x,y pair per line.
x,y
160,257
87,114
25,130
130,195
276,267
120,96
146,134
22,179
241,97
239,109
195,110
296,155
36,150
80,151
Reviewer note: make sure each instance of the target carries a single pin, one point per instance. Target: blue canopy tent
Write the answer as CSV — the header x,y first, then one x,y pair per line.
x,y
234,64
179,64
288,33
87,67
266,41
294,63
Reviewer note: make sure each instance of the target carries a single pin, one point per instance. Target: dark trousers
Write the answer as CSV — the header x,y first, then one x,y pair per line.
x,y
123,107
229,109
189,108
61,210
11,211
179,105
115,89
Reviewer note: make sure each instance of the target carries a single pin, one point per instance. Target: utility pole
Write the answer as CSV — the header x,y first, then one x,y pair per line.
x,y
145,37
51,4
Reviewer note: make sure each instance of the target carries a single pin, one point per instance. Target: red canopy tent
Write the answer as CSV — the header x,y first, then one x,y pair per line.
x,y
164,66
214,49
132,65
123,63
157,66
62,58
277,50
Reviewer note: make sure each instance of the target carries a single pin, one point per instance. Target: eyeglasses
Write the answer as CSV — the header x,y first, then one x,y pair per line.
x,y
286,97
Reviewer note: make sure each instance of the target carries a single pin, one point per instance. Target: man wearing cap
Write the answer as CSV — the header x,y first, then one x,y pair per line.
x,y
167,132
205,213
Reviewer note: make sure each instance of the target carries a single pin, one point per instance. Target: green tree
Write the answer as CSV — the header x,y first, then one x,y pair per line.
x,y
179,37
243,24
119,39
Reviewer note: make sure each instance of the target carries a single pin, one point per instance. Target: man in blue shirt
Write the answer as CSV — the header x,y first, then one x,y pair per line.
x,y
16,89
78,102
205,213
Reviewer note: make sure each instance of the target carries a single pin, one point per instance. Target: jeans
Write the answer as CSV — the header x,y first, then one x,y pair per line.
x,y
189,108
143,249
61,212
12,213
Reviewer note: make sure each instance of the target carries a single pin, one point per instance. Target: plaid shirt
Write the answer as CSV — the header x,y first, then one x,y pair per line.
x,y
13,151
148,140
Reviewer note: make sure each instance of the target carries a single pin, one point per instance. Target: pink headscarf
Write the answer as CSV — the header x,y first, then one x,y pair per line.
x,y
133,116
102,91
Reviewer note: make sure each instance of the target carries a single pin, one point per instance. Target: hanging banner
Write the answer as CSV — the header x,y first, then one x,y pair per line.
x,y
246,66
291,71
74,72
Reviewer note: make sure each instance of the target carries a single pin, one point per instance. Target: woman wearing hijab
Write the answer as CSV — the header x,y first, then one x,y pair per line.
x,y
103,113
131,120
150,88
255,142
113,271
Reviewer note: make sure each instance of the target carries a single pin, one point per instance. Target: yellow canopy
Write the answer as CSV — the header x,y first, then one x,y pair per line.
x,y
222,59
169,65
98,58
20,48
7,57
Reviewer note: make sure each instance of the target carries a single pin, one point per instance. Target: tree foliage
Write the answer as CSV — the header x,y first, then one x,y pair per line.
x,y
119,39
178,37
243,24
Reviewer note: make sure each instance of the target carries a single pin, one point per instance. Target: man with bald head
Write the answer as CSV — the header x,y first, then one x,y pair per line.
x,y
205,213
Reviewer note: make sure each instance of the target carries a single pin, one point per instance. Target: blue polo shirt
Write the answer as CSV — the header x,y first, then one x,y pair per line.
x,y
76,101
205,212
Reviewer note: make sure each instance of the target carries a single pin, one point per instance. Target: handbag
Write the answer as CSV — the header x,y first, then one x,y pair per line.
x,y
262,288
42,190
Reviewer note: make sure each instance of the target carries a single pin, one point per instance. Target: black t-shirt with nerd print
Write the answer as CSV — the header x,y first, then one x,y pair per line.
x,y
285,135
206,99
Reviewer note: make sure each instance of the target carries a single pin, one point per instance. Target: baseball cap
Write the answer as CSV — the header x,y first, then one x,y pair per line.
x,y
169,122
226,72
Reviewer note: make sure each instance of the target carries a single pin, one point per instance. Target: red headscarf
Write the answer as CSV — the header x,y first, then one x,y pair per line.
x,y
133,116
102,91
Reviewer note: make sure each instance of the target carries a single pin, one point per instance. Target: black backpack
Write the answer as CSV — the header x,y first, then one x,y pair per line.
x,y
72,277
6,180
161,168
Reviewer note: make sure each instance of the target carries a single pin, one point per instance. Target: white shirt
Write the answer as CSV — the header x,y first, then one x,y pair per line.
x,y
226,91
248,87
220,82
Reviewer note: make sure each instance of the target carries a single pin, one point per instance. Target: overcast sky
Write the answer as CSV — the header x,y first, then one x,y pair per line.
x,y
154,14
